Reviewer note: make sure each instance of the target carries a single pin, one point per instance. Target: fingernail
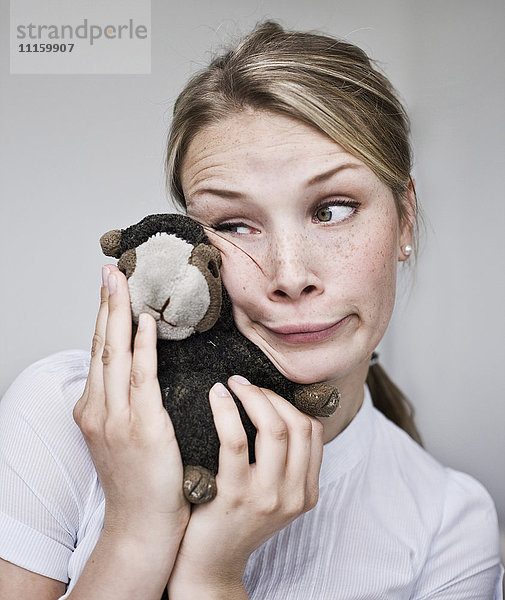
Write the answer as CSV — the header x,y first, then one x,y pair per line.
x,y
112,283
240,379
105,276
143,318
220,390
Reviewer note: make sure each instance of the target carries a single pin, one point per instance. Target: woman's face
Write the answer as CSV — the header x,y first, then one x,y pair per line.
x,y
322,229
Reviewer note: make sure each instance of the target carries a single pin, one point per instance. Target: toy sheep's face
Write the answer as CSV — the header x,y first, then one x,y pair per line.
x,y
172,280
178,283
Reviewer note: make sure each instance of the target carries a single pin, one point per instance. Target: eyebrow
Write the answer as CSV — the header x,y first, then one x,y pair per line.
x,y
232,195
319,178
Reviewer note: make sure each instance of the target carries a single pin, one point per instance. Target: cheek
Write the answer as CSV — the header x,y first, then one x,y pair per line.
x,y
373,278
242,279
356,271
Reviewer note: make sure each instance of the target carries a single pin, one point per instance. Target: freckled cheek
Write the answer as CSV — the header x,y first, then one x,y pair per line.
x,y
375,285
242,279
366,266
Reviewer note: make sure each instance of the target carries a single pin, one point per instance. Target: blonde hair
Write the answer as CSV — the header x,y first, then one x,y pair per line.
x,y
326,83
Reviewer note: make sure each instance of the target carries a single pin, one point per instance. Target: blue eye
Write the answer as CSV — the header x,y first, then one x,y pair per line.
x,y
333,213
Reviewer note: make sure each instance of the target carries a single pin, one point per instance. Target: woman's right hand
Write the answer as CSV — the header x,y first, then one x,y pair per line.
x,y
132,443
128,432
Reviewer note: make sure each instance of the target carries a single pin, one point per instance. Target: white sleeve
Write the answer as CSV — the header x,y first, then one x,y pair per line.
x,y
44,465
464,559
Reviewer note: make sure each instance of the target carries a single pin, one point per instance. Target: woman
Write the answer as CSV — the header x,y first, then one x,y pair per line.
x,y
295,149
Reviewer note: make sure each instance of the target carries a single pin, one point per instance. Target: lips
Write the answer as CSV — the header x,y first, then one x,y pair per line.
x,y
307,332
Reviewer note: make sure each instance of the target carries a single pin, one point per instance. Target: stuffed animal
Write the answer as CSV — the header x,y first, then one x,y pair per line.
x,y
173,273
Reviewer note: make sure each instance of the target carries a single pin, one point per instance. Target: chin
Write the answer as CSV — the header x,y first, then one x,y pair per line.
x,y
300,370
308,379
332,362
329,361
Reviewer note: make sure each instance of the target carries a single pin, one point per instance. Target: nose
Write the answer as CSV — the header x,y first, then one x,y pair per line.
x,y
161,310
293,268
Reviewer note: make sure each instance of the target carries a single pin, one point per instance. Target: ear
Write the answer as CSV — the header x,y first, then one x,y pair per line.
x,y
111,243
207,258
128,262
408,221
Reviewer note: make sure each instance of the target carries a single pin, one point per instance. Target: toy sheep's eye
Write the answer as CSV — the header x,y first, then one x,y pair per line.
x,y
213,268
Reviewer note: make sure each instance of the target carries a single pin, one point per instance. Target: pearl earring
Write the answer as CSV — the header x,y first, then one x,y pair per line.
x,y
407,250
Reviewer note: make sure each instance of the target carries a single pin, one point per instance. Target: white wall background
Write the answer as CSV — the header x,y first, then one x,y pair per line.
x,y
81,154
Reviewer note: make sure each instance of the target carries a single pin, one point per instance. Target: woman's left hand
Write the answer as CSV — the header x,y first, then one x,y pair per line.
x,y
253,501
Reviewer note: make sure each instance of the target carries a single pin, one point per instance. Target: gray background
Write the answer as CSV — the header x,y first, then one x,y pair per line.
x,y
81,154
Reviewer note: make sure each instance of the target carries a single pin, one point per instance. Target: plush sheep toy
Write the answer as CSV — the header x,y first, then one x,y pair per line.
x,y
173,274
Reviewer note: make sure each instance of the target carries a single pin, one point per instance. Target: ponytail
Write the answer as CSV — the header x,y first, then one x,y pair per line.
x,y
390,400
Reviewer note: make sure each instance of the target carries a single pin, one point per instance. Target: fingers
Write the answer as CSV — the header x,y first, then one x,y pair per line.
x,y
233,452
117,376
272,437
93,390
116,354
102,379
145,394
144,363
305,431
288,444
95,378
306,448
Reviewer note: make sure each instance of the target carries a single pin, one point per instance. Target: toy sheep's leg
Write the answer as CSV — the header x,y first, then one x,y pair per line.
x,y
317,399
199,484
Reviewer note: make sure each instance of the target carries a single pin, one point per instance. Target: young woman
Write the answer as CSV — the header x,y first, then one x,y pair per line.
x,y
295,149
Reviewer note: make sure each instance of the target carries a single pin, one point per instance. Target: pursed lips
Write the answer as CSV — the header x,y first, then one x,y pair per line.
x,y
307,332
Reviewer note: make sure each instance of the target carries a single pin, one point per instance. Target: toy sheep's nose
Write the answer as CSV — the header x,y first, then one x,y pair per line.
x,y
161,311
163,308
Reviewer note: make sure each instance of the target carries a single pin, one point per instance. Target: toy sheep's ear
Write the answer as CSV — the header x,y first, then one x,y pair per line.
x,y
111,243
128,262
207,258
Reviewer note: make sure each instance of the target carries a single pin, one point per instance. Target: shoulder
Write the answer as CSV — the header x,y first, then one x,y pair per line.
x,y
49,384
64,366
446,490
46,471
454,515
463,555
417,467
36,411
36,418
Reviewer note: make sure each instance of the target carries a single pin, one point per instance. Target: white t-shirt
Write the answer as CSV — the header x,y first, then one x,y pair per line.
x,y
391,522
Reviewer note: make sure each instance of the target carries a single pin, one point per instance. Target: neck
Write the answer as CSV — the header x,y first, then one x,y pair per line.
x,y
351,390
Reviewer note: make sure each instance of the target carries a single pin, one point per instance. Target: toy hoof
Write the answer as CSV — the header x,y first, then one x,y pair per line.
x,y
317,399
199,485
